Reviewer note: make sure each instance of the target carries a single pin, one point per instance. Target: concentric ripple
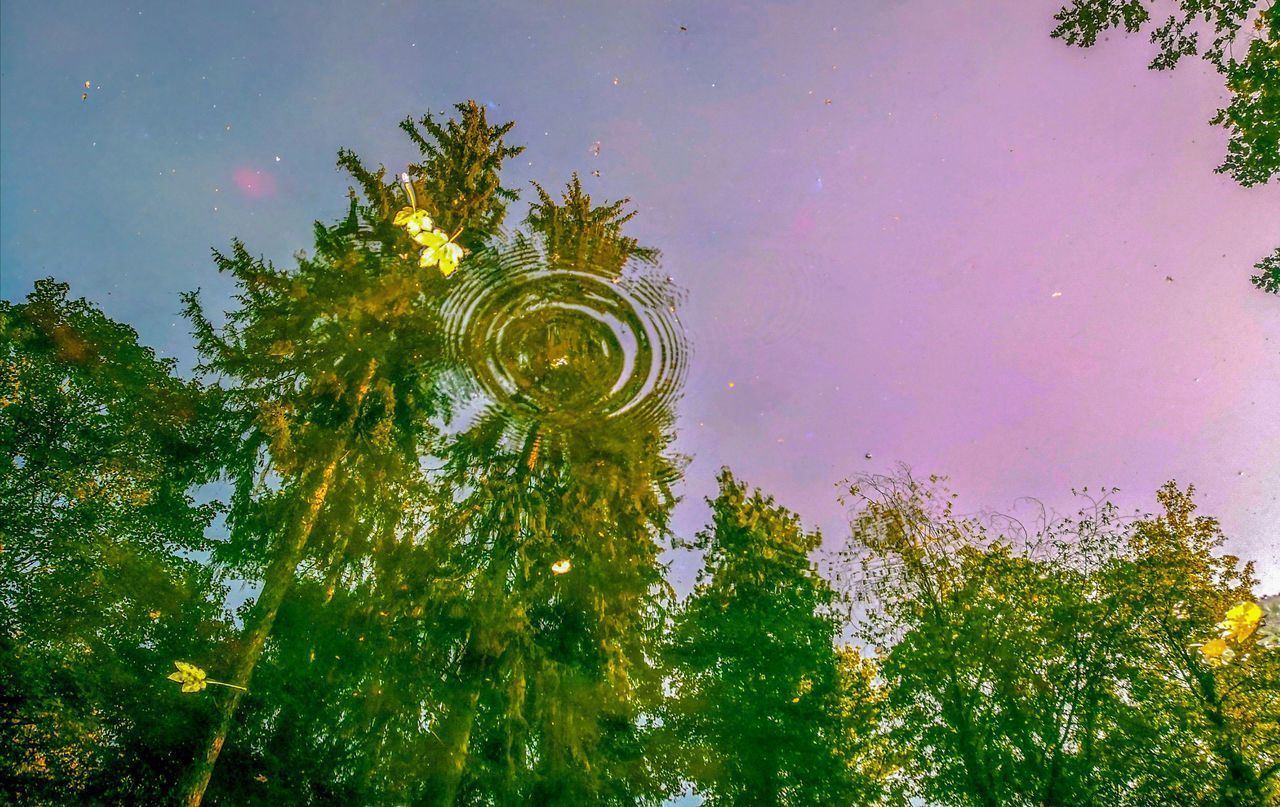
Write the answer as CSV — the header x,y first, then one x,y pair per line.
x,y
559,345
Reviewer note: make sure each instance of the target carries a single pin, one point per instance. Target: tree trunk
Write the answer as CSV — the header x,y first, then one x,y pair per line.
x,y
445,774
958,715
275,586
278,581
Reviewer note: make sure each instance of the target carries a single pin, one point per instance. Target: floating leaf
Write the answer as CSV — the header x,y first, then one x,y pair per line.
x,y
438,248
439,251
192,678
1241,621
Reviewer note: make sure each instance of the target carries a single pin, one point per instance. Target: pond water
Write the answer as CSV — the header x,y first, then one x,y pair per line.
x,y
449,477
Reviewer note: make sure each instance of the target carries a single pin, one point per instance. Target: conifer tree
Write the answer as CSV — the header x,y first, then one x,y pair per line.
x,y
333,370
564,514
760,710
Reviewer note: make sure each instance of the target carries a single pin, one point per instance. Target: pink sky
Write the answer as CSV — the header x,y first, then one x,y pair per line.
x,y
875,274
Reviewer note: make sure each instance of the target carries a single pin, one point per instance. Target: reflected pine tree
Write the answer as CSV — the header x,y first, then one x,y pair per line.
x,y
765,709
332,371
454,493
567,459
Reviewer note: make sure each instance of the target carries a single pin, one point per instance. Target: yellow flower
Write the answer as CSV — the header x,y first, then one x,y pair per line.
x,y
190,676
1241,621
561,566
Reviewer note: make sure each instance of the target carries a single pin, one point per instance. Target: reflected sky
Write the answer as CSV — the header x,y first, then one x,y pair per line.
x,y
929,234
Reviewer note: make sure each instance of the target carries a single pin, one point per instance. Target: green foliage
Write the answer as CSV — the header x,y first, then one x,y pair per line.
x,y
576,233
98,591
1268,277
462,599
1065,670
1252,118
1081,24
1178,36
763,703
458,181
1210,732
559,672
337,382
342,377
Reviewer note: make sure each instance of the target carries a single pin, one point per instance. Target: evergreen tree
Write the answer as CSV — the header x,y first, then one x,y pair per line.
x,y
761,710
563,514
98,589
334,373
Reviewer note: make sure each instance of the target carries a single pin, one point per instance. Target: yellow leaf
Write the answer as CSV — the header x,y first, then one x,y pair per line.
x,y
1241,621
1214,648
190,676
